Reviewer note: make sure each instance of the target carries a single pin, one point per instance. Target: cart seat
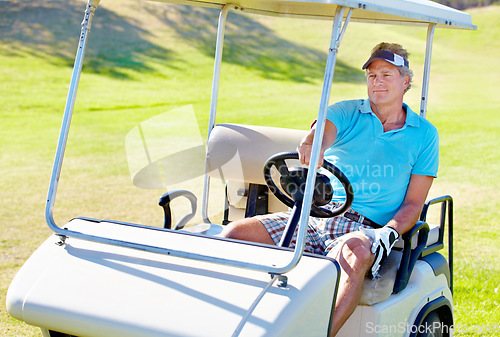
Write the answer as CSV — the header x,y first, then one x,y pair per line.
x,y
238,153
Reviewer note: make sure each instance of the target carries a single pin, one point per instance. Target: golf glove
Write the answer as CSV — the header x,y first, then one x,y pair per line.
x,y
383,239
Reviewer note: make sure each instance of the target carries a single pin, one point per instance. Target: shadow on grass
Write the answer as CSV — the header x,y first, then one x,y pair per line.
x,y
252,45
52,28
119,43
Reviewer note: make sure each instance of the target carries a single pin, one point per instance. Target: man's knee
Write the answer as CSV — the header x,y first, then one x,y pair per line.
x,y
248,229
355,253
361,250
237,229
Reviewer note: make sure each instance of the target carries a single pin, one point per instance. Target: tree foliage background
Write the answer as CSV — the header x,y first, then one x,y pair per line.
x,y
463,4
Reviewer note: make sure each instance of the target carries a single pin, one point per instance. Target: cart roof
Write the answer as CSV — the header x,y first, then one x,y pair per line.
x,y
383,11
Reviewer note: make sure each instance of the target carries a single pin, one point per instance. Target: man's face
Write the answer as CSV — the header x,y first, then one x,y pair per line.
x,y
385,83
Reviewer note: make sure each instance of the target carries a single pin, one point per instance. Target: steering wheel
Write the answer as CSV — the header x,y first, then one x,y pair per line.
x,y
293,182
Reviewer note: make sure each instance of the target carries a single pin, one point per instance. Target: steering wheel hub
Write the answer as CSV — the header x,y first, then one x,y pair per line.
x,y
293,182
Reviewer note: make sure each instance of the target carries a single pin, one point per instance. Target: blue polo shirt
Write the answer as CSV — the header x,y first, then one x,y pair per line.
x,y
379,164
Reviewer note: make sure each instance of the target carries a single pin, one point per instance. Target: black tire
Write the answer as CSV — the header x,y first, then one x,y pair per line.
x,y
432,326
59,334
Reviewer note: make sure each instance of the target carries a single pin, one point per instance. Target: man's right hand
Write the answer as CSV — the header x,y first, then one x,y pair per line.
x,y
305,150
305,147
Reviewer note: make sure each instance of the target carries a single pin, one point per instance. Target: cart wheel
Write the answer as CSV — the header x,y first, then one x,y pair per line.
x,y
432,326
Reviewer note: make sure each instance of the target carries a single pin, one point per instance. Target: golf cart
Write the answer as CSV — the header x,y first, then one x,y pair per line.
x,y
97,277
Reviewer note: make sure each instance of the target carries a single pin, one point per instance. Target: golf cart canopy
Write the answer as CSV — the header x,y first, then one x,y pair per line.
x,y
415,12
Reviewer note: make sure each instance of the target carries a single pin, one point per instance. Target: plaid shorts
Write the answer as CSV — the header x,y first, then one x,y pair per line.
x,y
322,233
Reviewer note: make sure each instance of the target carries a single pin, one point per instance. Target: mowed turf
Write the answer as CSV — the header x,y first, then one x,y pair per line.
x,y
145,60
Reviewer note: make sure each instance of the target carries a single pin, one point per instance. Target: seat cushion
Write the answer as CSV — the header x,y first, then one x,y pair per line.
x,y
239,152
378,290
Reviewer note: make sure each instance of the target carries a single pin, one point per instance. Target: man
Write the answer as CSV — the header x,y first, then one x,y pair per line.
x,y
390,155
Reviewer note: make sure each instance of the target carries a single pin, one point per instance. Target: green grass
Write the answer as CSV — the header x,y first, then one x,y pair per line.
x,y
145,59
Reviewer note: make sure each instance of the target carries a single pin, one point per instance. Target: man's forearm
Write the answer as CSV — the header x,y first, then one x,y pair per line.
x,y
406,217
410,210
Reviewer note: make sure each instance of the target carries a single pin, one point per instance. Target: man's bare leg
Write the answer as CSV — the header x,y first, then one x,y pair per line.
x,y
353,255
355,258
248,229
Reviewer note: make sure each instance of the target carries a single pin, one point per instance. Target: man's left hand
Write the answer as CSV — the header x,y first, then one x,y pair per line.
x,y
383,239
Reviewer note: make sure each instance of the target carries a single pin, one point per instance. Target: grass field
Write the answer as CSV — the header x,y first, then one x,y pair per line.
x,y
145,59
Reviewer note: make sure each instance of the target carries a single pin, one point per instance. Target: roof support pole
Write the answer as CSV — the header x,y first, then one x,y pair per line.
x,y
427,70
66,233
213,101
337,34
68,113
